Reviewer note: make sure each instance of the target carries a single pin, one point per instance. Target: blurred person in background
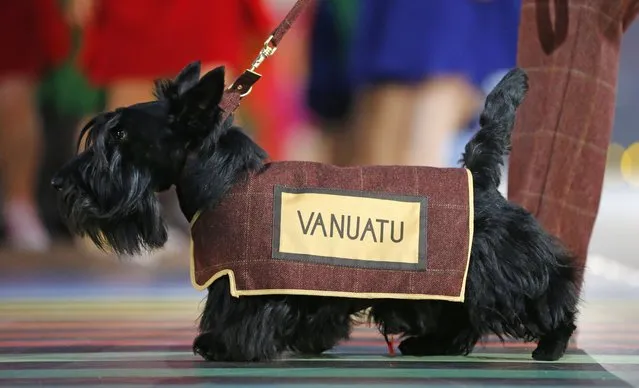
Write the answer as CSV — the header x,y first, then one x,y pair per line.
x,y
328,94
128,44
33,38
417,67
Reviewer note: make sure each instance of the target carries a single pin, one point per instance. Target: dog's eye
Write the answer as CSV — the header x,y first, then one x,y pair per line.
x,y
119,134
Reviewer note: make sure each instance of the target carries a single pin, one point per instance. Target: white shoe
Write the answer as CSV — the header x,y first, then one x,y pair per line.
x,y
177,245
25,231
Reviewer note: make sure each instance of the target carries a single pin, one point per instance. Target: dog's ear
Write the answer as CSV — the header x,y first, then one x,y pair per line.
x,y
196,113
188,77
171,90
207,93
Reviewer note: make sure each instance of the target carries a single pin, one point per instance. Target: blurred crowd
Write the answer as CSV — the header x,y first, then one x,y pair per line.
x,y
355,82
63,61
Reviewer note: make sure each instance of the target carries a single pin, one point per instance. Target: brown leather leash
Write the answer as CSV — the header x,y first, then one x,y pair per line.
x,y
244,83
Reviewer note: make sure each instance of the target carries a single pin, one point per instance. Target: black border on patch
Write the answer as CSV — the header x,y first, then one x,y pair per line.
x,y
337,261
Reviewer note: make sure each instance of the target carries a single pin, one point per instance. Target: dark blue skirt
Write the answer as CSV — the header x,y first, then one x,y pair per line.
x,y
329,94
412,40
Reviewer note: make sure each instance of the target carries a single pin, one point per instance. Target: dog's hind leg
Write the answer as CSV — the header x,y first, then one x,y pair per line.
x,y
241,329
552,346
454,337
556,312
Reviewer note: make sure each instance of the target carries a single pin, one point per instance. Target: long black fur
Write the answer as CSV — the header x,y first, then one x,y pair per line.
x,y
521,283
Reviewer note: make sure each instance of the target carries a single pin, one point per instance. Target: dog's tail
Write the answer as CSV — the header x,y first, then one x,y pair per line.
x,y
484,154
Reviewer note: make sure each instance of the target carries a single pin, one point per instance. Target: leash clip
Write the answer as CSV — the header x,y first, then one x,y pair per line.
x,y
265,52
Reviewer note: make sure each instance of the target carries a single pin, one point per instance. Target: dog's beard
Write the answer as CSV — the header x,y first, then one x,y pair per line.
x,y
118,212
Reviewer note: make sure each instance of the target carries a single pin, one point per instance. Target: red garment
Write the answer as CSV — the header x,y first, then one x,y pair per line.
x,y
33,36
148,39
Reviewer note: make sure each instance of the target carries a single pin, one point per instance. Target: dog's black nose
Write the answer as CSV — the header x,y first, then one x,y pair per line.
x,y
57,181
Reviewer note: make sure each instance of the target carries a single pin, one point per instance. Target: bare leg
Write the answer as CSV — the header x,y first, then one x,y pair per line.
x,y
381,121
338,143
442,106
20,147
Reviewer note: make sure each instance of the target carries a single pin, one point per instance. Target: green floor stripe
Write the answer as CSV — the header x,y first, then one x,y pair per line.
x,y
361,373
475,357
331,385
313,385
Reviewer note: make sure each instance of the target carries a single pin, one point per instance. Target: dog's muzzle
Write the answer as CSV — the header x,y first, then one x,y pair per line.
x,y
57,182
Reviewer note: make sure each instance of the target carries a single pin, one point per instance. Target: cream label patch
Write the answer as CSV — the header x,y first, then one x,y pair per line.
x,y
351,228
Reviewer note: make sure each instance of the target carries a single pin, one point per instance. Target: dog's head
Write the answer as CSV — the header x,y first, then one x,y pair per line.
x,y
107,191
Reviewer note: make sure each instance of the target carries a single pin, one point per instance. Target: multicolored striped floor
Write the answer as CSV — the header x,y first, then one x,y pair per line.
x,y
79,331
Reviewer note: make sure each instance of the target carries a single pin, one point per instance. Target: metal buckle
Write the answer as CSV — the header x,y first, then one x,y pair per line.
x,y
267,50
246,93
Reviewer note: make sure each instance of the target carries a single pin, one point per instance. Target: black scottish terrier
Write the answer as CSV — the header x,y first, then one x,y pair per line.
x,y
521,283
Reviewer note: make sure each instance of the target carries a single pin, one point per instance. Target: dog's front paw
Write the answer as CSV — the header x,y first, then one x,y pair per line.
x,y
550,350
206,346
211,348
